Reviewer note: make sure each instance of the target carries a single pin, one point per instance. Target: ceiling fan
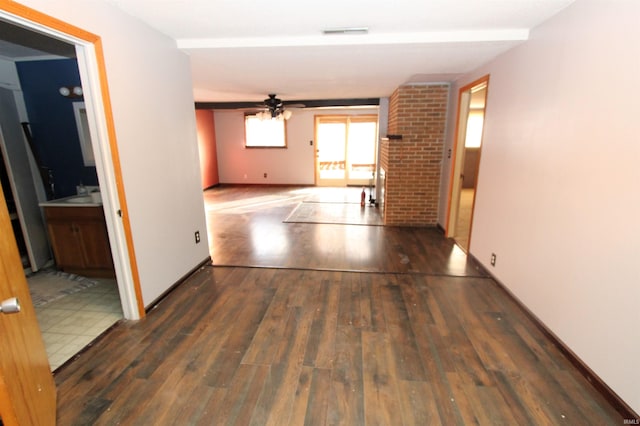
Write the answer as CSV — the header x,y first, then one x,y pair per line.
x,y
275,108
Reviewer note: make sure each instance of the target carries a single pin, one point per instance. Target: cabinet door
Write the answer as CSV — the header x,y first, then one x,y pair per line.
x,y
95,244
66,248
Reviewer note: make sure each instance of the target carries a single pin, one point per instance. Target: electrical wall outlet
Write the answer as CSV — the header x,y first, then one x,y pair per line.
x,y
197,236
493,259
265,175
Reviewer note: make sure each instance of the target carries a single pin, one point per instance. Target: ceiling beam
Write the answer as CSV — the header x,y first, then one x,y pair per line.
x,y
315,103
431,37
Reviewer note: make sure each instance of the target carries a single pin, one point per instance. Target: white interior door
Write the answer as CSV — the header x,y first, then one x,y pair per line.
x,y
458,162
16,158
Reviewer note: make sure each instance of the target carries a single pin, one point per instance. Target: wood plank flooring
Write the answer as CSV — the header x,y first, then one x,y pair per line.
x,y
431,341
251,232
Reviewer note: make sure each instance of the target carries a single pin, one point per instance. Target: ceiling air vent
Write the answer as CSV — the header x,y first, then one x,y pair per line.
x,y
345,31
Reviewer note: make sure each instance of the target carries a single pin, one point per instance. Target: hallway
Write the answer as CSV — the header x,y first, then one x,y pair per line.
x,y
300,323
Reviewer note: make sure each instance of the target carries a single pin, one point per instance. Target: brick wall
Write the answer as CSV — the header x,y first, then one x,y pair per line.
x,y
413,163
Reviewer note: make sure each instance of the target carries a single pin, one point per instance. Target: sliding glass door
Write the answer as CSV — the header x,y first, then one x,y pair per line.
x,y
345,149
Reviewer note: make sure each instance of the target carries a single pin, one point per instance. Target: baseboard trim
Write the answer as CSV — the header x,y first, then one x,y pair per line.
x,y
182,279
215,185
275,185
598,384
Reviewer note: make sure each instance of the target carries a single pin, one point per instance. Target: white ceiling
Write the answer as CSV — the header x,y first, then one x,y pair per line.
x,y
241,50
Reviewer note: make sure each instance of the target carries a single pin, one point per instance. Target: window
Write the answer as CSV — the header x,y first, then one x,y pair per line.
x,y
264,133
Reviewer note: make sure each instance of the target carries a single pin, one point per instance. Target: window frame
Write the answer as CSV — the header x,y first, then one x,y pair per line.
x,y
246,138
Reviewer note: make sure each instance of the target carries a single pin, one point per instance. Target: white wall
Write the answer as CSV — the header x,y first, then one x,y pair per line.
x,y
557,199
293,166
150,87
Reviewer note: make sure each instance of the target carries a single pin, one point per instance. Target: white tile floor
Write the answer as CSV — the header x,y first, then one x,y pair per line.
x,y
72,322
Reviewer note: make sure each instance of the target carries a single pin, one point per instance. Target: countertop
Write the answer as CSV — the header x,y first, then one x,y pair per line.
x,y
74,201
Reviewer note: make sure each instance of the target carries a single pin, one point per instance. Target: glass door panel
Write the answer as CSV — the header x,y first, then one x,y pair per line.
x,y
361,152
346,149
331,142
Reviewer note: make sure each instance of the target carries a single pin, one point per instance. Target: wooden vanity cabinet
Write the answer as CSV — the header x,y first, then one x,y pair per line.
x,y
79,240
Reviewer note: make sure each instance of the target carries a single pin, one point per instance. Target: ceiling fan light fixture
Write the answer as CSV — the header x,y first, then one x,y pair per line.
x,y
273,109
345,31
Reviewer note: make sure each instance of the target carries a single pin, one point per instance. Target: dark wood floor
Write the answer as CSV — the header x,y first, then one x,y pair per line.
x,y
326,324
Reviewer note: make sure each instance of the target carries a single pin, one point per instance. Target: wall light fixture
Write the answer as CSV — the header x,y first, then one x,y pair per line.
x,y
71,91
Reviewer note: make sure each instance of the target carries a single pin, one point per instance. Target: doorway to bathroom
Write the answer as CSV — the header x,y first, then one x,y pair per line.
x,y
73,309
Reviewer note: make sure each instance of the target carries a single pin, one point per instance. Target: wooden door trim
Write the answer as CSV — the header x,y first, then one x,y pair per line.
x,y
26,13
454,152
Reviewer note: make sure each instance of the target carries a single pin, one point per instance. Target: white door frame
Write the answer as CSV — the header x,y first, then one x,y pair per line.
x,y
92,87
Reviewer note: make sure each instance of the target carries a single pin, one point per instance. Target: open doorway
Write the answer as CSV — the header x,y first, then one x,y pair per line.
x,y
17,37
466,162
76,298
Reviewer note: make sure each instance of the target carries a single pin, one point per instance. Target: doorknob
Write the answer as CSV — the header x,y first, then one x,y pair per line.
x,y
10,306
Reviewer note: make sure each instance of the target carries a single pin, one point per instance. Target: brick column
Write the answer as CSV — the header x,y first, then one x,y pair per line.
x,y
413,163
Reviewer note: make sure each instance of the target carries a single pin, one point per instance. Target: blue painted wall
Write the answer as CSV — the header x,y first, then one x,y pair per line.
x,y
53,123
